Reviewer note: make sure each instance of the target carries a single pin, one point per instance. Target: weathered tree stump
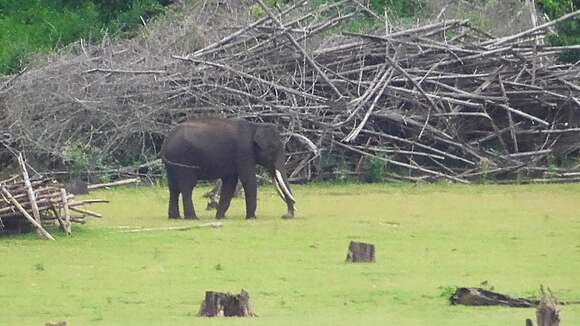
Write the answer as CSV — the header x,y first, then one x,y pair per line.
x,y
360,252
77,186
548,313
218,304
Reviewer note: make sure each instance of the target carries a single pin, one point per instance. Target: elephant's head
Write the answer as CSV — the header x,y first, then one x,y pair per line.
x,y
269,152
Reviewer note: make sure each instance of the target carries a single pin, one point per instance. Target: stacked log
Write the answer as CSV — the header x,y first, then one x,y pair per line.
x,y
444,100
39,202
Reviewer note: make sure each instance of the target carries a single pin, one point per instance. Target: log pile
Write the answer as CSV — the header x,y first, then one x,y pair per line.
x,y
39,202
439,101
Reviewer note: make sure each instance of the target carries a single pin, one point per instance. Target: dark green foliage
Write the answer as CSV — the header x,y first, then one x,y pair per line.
x,y
398,8
373,170
335,167
32,26
568,31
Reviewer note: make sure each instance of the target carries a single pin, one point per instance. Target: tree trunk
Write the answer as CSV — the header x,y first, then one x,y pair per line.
x,y
218,304
548,313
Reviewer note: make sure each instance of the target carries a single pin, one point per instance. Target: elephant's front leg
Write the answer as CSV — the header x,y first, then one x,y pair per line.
x,y
250,190
227,192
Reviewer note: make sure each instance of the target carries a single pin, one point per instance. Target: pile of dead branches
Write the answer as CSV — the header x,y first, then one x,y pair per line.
x,y
26,202
443,100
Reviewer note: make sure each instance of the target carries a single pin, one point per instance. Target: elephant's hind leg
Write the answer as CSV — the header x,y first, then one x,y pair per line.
x,y
227,192
186,184
173,204
173,211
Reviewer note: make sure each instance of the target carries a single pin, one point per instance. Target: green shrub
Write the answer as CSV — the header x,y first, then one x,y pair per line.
x,y
373,170
36,26
398,8
81,158
568,31
257,11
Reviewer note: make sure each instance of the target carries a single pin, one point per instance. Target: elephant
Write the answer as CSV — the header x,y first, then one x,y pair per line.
x,y
226,149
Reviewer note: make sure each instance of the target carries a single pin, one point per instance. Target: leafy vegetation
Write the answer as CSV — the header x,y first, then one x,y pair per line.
x,y
429,239
398,9
568,31
36,26
374,169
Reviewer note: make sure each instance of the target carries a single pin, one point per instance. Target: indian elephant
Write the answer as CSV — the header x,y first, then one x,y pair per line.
x,y
228,149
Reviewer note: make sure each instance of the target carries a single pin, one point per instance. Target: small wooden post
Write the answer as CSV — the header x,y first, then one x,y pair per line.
x,y
29,190
360,252
63,197
61,222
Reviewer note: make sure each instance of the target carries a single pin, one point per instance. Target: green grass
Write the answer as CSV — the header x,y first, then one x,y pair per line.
x,y
429,238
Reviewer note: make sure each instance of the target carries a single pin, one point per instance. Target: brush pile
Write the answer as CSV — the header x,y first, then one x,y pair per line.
x,y
26,203
440,101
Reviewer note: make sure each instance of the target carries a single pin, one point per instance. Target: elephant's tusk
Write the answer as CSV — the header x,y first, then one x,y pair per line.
x,y
283,185
278,189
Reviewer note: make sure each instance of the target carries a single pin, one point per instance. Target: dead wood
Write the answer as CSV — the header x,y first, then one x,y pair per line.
x,y
38,202
548,312
218,304
447,100
360,252
481,297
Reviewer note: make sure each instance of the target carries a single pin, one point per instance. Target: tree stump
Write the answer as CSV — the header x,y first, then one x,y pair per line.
x,y
360,252
77,186
218,304
548,313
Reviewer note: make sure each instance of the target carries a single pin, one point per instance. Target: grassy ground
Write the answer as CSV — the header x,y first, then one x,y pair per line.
x,y
429,239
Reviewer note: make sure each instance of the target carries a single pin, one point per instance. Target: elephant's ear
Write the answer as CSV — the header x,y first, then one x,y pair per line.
x,y
265,136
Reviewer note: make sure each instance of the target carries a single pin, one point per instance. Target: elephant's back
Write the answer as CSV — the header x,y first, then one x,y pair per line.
x,y
212,145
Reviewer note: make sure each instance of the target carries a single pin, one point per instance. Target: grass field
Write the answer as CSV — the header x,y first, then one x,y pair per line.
x,y
429,239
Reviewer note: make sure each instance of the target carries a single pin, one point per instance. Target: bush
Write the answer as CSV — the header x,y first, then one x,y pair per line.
x,y
568,31
374,170
398,8
28,27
